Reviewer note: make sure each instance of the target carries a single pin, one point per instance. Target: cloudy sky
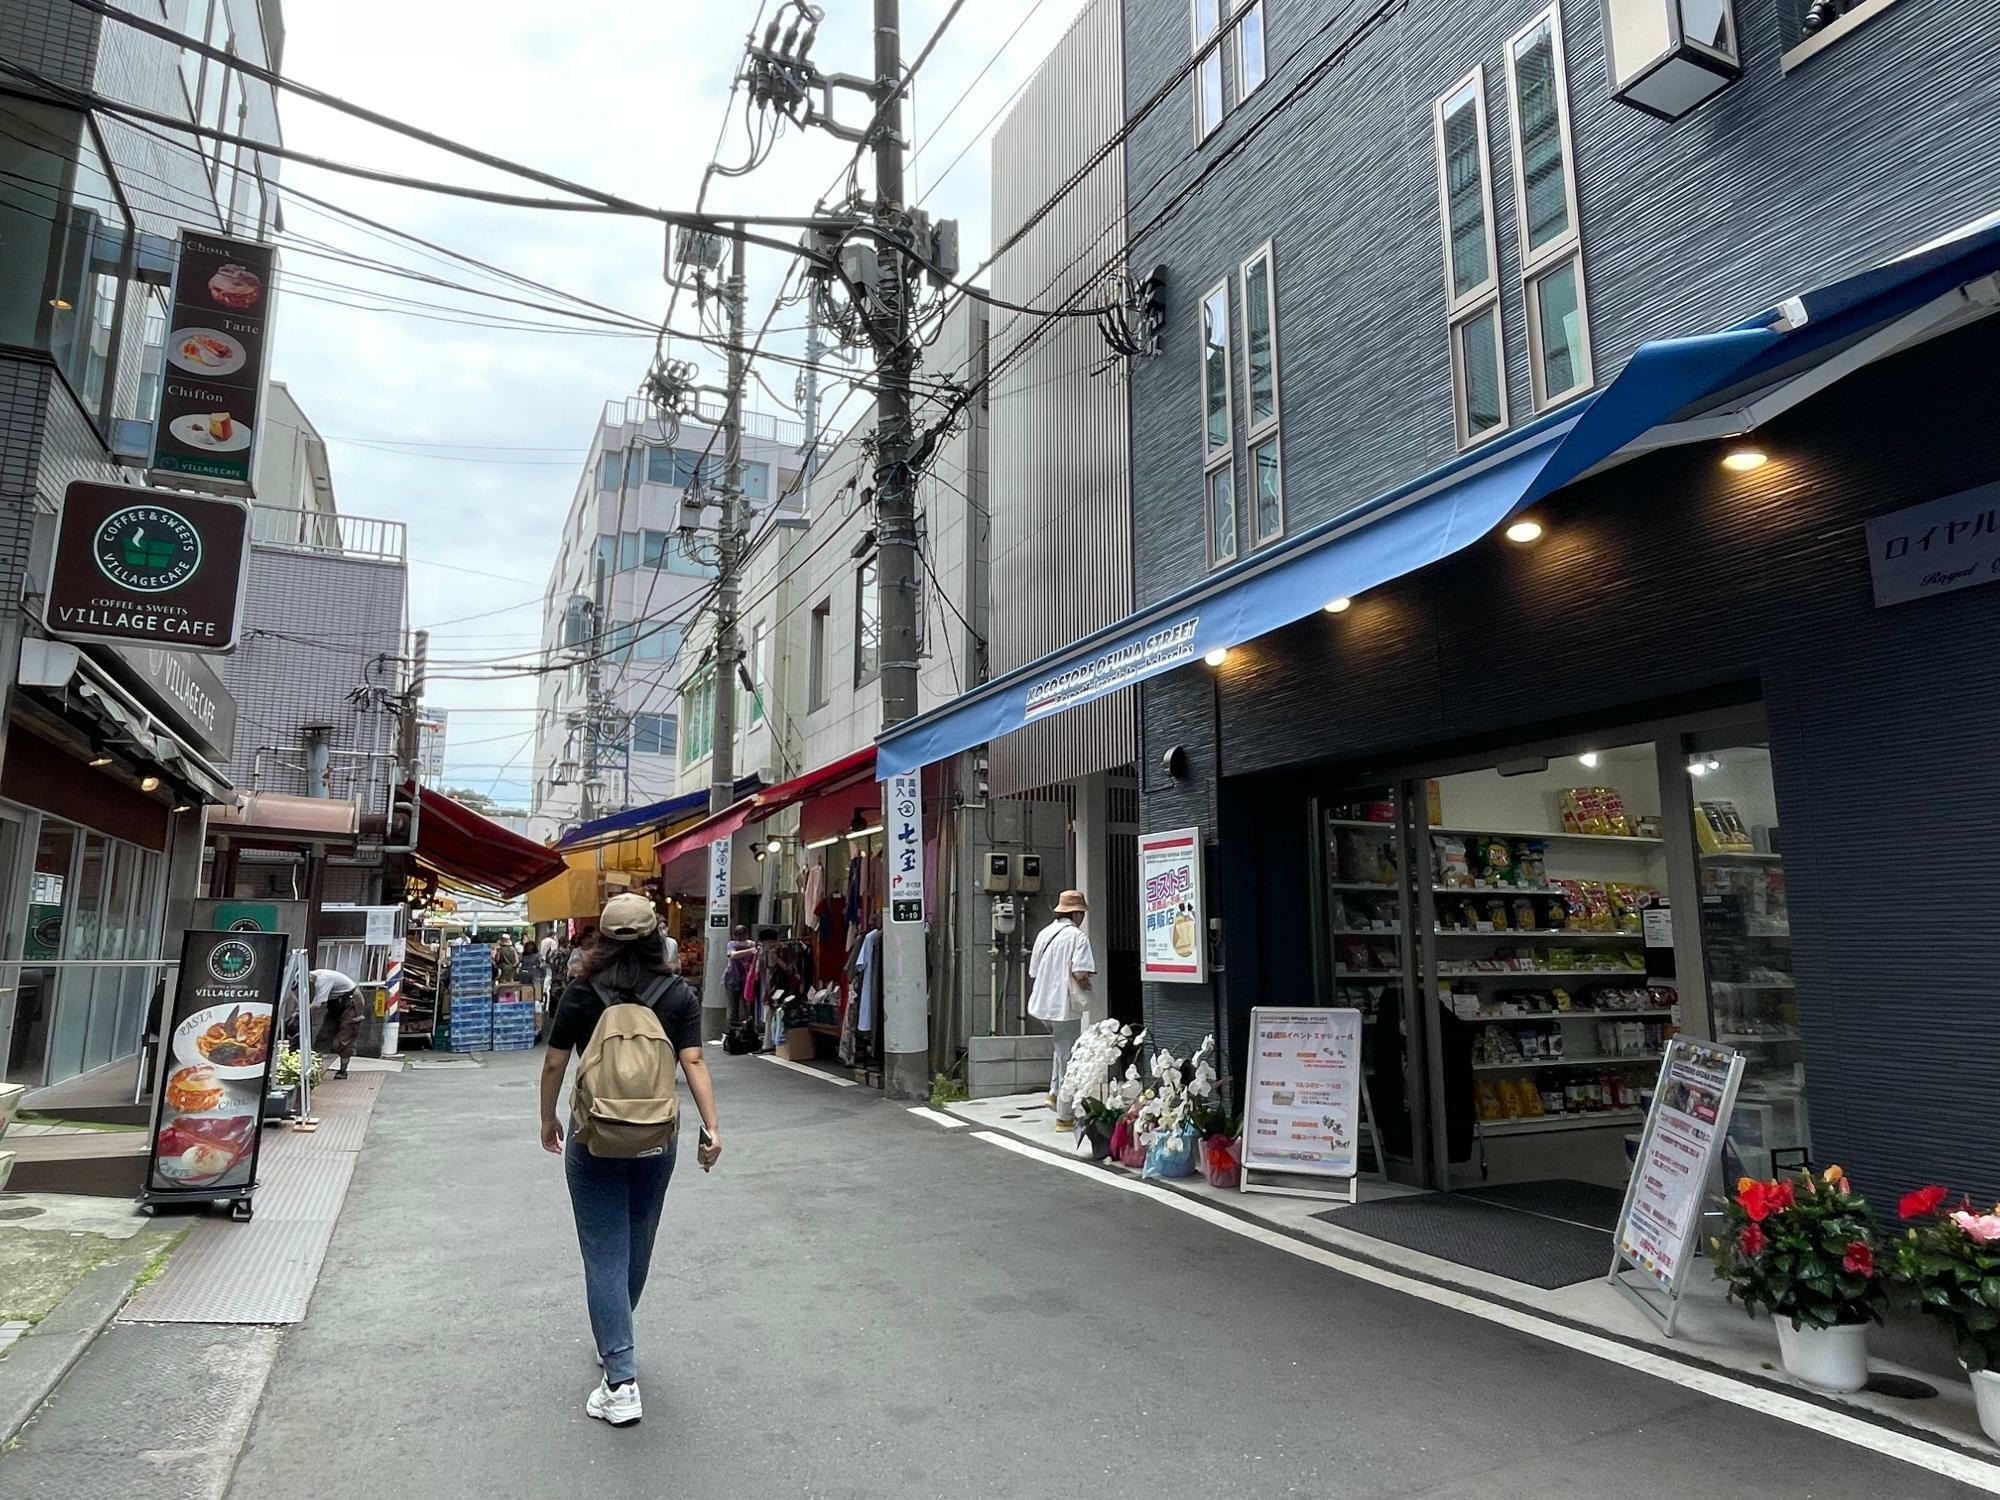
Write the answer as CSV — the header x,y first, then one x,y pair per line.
x,y
471,433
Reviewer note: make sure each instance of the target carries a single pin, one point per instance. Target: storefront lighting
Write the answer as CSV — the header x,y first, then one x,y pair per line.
x,y
149,783
62,304
1217,657
99,760
1743,460
1701,765
1589,760
1339,606
774,846
181,807
1524,531
822,843
862,833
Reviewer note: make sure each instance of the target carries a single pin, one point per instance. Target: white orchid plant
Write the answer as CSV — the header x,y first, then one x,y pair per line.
x,y
1184,1091
1091,1086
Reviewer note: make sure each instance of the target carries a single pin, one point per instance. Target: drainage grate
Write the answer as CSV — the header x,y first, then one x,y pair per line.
x,y
1902,1387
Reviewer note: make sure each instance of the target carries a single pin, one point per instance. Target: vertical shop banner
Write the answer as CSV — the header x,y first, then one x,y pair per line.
x,y
718,883
904,830
218,1044
1173,937
1302,1097
217,332
1659,1227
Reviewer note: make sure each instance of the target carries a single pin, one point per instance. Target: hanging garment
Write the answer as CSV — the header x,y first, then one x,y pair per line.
x,y
855,866
868,973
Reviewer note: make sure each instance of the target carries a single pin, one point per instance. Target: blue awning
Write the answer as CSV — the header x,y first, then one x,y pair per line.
x,y
673,810
1672,390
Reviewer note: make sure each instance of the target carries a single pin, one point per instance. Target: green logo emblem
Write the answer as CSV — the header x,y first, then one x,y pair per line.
x,y
147,549
231,962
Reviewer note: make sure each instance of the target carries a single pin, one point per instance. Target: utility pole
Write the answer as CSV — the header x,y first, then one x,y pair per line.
x,y
905,984
728,642
409,748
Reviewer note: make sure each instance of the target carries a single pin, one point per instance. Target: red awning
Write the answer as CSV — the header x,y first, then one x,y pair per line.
x,y
715,826
831,777
456,841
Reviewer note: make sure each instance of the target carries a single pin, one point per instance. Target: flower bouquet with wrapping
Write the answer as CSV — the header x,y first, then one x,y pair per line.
x,y
1802,1249
1221,1165
1092,1091
1948,1267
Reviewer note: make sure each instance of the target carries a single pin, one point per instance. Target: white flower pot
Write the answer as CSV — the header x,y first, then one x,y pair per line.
x,y
1986,1396
1828,1359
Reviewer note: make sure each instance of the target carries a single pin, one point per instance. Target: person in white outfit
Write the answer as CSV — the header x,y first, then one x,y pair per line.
x,y
1060,968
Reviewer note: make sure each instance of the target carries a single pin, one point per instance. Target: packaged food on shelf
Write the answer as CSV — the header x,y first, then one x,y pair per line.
x,y
1615,819
1719,828
1531,863
1495,860
1496,914
1628,905
1453,868
1596,906
1524,914
1486,1100
1552,1098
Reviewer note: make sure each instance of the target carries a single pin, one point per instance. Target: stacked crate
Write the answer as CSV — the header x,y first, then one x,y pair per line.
x,y
513,1021
472,998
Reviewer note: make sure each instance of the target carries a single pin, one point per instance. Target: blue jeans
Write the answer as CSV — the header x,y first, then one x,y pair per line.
x,y
617,1202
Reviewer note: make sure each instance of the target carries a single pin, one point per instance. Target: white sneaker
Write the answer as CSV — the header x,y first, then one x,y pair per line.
x,y
620,1407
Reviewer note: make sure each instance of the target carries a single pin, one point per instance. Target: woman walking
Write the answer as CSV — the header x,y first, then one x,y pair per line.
x,y
623,1123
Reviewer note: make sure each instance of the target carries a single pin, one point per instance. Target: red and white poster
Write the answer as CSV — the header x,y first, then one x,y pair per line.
x,y
1173,932
1657,1232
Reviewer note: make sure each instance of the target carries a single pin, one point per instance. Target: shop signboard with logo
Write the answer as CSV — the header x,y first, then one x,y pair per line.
x,y
718,883
213,381
1680,1152
143,567
219,1044
1173,945
905,838
1938,547
1304,1099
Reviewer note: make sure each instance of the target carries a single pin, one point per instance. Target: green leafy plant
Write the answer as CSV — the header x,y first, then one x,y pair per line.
x,y
286,1070
946,1089
1947,1266
1802,1248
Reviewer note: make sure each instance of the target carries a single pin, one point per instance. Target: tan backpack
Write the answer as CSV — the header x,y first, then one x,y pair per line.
x,y
623,1102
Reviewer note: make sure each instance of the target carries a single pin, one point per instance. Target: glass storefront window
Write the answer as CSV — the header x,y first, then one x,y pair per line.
x,y
42,937
1746,939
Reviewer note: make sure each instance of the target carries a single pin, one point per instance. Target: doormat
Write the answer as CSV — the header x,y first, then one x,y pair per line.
x,y
1589,1203
1547,1253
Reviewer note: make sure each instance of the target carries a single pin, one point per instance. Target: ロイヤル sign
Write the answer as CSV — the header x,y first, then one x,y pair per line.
x,y
904,837
147,567
213,382
1659,1227
1173,937
1938,547
219,1044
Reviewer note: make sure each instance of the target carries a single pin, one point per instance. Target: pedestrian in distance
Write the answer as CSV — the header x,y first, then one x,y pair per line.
x,y
1060,967
633,1021
341,1007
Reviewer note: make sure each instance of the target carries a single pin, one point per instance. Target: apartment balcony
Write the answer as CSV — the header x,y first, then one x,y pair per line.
x,y
319,533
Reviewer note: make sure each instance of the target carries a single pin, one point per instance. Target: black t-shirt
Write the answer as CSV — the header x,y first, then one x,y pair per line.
x,y
679,1010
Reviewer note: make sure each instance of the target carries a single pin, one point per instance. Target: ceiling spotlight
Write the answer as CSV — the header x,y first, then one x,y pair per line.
x,y
149,783
1217,657
181,807
1743,460
1589,759
1524,531
1697,767
99,760
774,846
1339,606
1714,764
62,304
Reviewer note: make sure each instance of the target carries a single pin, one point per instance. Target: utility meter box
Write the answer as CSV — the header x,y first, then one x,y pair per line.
x,y
1027,872
998,874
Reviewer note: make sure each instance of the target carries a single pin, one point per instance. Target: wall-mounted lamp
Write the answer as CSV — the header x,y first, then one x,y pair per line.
x,y
1669,57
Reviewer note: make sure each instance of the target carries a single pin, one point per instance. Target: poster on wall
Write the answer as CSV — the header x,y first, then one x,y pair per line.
x,y
1302,1095
1173,946
208,1118
1680,1148
905,839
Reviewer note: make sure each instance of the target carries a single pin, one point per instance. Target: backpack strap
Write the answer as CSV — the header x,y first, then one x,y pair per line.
x,y
656,990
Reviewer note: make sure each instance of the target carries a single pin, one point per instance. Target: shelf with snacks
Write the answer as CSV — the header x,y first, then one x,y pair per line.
x,y
1579,1015
1550,836
1633,974
1534,1124
1517,1064
1344,974
1568,934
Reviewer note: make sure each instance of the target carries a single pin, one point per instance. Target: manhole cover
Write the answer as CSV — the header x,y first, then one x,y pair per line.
x,y
1902,1387
23,1211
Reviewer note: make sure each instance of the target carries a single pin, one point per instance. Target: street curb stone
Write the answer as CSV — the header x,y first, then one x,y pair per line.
x,y
40,1359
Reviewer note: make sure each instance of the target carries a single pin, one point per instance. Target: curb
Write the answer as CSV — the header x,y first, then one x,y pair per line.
x,y
40,1358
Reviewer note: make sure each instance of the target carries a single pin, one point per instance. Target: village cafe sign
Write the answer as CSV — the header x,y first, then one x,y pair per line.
x,y
137,566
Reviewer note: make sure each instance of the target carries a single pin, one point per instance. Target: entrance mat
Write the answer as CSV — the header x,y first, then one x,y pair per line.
x,y
1501,1241
1589,1203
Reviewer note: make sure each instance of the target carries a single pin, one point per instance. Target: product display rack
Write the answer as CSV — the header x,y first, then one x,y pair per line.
x,y
1753,997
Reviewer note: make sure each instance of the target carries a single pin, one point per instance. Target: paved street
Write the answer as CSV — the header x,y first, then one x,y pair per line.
x,y
858,1304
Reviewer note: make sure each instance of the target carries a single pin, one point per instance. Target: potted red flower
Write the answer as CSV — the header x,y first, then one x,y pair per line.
x,y
1803,1250
1948,1267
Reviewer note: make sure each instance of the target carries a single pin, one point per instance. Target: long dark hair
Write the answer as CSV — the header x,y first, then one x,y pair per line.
x,y
628,964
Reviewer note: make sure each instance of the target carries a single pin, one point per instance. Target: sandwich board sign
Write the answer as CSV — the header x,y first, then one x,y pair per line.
x,y
1303,1100
1680,1153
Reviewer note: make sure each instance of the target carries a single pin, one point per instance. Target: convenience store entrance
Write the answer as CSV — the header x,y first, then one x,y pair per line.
x,y
1523,932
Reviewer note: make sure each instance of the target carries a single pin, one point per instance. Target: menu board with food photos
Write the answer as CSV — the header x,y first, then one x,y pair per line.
x,y
213,380
218,1044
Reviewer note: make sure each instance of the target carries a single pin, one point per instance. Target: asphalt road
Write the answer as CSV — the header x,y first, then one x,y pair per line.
x,y
859,1304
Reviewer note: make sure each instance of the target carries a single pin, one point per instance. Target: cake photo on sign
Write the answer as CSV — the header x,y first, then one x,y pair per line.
x,y
236,286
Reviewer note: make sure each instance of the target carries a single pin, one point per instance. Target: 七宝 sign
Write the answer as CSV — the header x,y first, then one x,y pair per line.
x,y
1173,938
135,566
1659,1227
213,380
1938,547
1302,1094
219,1044
718,883
905,839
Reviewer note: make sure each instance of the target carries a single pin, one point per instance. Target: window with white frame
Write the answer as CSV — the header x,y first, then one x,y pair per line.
x,y
1545,204
1249,47
1245,40
1263,466
1471,276
1208,98
1218,451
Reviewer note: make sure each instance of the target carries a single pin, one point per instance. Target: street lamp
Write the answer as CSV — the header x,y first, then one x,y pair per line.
x,y
1668,57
